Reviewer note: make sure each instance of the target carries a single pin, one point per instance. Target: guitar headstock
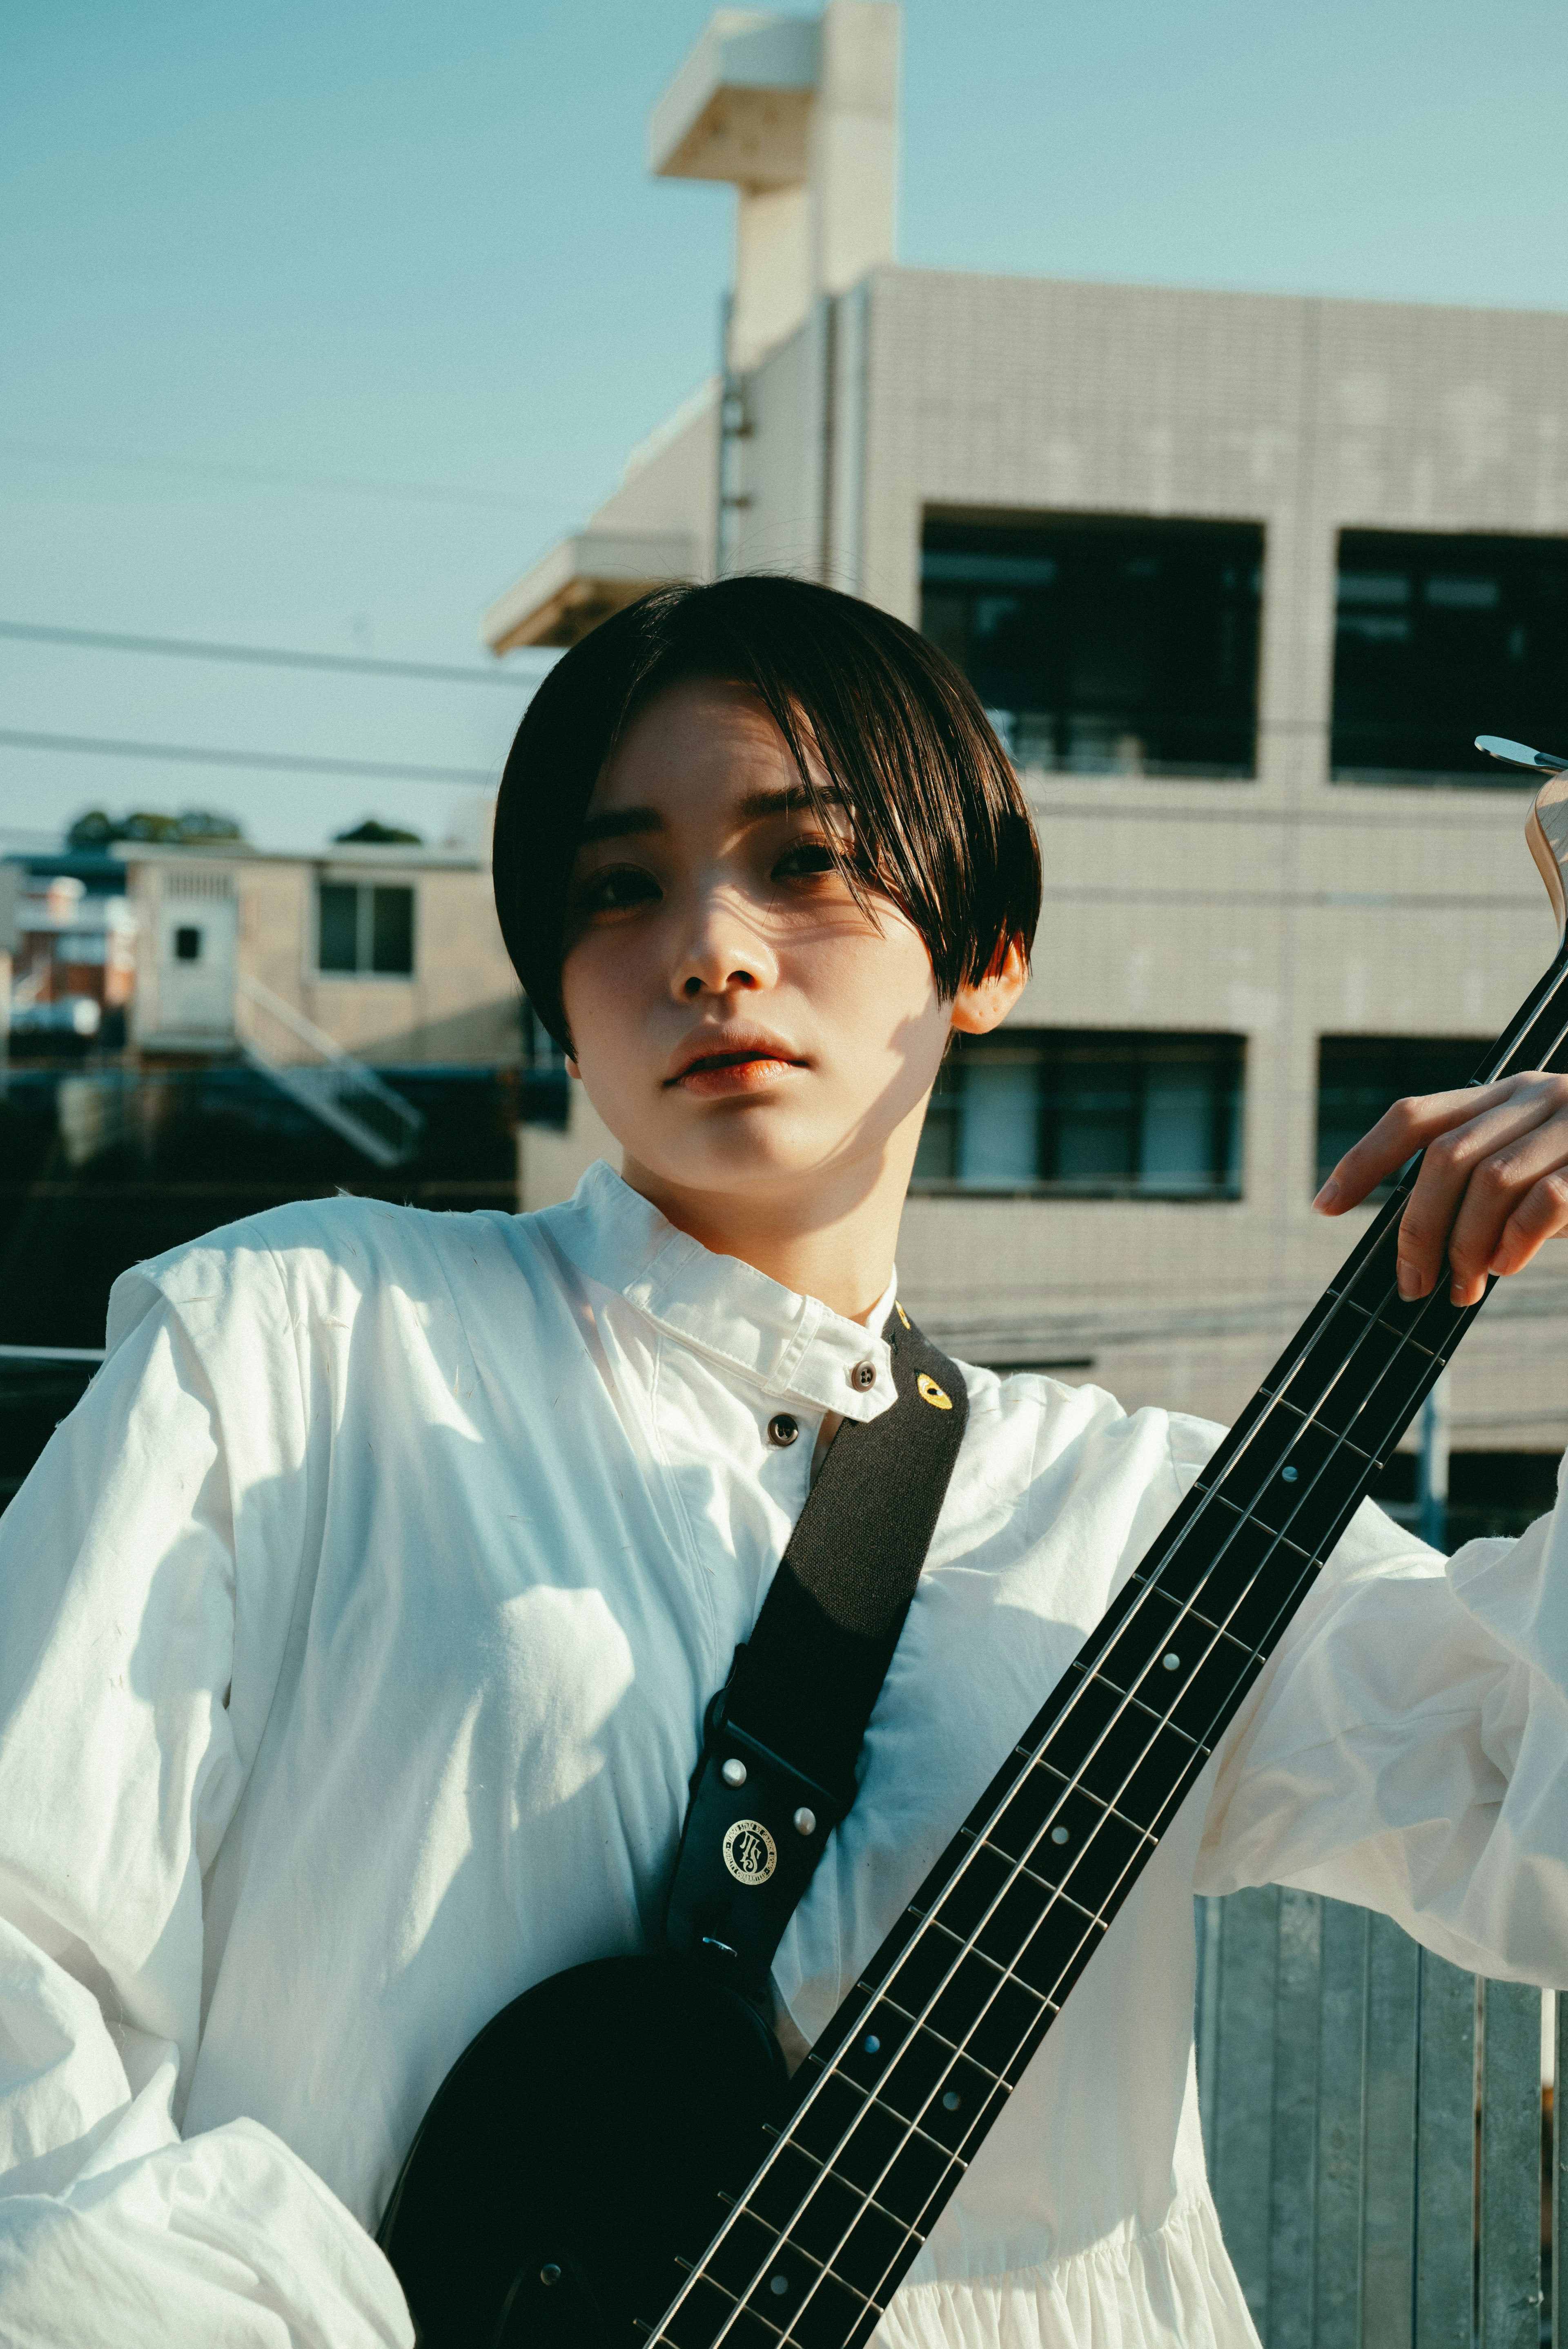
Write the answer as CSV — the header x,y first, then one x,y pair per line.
x,y
1546,826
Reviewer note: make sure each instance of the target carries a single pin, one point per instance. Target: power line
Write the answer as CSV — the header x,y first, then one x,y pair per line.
x,y
258,656
277,762
280,477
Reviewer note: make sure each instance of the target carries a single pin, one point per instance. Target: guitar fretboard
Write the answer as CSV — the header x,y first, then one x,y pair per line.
x,y
891,2104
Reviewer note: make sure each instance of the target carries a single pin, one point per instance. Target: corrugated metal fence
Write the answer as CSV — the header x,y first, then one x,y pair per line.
x,y
1381,2145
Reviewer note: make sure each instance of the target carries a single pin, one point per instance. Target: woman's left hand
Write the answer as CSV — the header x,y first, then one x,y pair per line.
x,y
1493,1184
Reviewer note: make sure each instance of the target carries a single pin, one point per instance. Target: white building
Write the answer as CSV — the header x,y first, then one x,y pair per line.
x,y
1241,575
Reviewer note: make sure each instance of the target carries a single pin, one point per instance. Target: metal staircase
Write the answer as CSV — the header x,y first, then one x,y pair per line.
x,y
330,1084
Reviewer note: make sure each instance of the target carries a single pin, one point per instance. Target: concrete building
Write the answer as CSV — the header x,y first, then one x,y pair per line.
x,y
314,967
1240,576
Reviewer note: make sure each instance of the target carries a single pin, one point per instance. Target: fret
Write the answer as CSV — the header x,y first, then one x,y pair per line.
x,y
885,2030
838,2229
872,2146
817,2311
704,2314
1173,1664
829,2314
1060,1830
774,2277
789,2188
1243,1576
989,1879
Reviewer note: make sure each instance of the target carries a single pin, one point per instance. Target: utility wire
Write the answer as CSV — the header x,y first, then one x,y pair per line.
x,y
279,477
277,762
259,656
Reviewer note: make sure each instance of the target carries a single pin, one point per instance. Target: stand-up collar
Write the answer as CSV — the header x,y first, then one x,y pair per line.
x,y
787,1345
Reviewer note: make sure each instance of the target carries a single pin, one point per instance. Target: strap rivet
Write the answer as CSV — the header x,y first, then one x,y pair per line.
x,y
951,2101
779,2284
1059,1834
550,2272
734,1772
872,2044
1172,1663
1289,1475
805,1821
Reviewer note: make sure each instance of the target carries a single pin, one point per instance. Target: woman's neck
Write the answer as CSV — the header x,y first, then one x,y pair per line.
x,y
840,1252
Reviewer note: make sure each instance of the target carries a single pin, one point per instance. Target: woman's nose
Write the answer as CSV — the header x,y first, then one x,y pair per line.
x,y
724,955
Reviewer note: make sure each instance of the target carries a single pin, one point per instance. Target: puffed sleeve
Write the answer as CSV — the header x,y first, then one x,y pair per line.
x,y
148,1573
1408,1748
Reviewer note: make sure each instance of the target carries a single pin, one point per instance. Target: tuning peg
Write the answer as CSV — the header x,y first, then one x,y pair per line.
x,y
1519,754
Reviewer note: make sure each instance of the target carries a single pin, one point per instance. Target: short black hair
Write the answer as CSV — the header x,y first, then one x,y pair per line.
x,y
941,826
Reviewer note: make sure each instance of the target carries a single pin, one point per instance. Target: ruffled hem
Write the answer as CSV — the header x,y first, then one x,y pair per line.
x,y
1172,2289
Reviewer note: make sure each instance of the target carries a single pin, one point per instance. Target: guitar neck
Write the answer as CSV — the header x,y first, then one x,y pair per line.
x,y
895,2100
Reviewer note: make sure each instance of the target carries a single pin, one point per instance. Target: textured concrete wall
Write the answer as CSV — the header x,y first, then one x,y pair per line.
x,y
675,487
1284,908
462,1003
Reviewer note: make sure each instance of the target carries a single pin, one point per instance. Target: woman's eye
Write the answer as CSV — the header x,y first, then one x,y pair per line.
x,y
621,886
806,857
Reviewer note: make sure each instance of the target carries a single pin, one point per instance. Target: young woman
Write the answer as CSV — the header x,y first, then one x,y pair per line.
x,y
356,1631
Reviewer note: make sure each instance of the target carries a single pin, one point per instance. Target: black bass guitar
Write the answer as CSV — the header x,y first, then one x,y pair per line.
x,y
618,2159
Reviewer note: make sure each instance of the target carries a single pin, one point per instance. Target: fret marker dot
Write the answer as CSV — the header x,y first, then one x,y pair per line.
x,y
1059,1834
951,2101
1288,1475
872,2044
1172,1663
779,2284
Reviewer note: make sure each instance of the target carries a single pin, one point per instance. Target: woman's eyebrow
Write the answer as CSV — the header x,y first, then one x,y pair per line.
x,y
619,823
782,799
623,824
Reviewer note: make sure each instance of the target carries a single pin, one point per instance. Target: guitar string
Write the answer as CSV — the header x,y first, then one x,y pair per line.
x,y
1186,1609
967,1945
1185,1612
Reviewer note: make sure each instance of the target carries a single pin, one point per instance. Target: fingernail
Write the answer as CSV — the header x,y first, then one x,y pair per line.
x,y
1408,1283
1498,1267
1456,1292
1327,1195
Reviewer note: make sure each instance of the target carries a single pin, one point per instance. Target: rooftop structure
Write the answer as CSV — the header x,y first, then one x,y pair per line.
x,y
1239,577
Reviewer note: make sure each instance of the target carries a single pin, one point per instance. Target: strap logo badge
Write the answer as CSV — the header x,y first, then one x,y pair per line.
x,y
750,1853
930,1393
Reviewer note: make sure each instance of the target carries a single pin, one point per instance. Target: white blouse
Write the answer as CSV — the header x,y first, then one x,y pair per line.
x,y
356,1631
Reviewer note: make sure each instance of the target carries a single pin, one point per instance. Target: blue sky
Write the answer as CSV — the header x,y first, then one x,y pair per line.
x,y
319,321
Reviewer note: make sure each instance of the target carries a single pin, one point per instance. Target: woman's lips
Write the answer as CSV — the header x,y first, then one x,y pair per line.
x,y
734,1073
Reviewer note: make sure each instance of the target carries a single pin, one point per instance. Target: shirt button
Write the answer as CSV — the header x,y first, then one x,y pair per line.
x,y
863,1375
782,1429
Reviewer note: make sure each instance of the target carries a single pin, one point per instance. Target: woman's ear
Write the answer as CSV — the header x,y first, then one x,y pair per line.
x,y
982,1004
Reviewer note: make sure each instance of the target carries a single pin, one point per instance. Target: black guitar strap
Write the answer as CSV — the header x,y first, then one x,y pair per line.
x,y
777,1770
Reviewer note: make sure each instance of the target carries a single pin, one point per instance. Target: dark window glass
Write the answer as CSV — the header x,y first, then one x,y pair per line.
x,y
1085,1112
188,944
392,932
1359,1077
1489,1492
338,943
1440,637
1104,645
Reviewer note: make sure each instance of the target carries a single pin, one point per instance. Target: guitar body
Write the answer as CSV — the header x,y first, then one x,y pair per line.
x,y
579,2141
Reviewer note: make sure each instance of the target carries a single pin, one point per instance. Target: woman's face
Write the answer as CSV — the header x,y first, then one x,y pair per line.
x,y
741,1024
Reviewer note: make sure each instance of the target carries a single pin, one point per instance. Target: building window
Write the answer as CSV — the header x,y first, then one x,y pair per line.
x,y
1439,638
1104,645
187,943
1359,1077
365,925
1083,1113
